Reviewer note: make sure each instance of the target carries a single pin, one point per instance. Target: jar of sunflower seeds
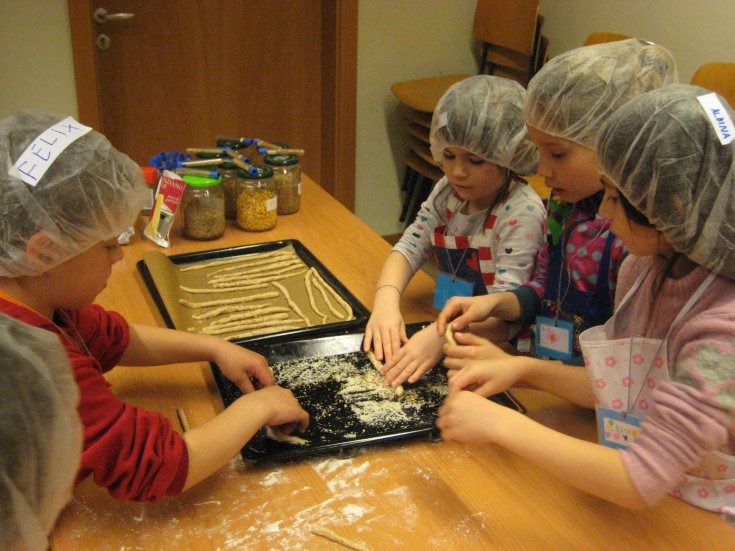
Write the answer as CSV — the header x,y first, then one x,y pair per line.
x,y
257,203
287,175
203,207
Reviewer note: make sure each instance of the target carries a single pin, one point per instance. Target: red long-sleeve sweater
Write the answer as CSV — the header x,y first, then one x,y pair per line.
x,y
134,453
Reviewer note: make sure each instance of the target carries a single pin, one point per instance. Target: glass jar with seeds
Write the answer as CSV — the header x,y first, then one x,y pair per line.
x,y
287,175
230,174
203,207
257,203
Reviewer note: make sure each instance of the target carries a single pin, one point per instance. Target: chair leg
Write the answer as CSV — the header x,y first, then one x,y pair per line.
x,y
409,186
423,189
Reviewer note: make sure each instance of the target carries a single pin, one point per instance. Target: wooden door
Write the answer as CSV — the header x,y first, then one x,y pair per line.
x,y
181,72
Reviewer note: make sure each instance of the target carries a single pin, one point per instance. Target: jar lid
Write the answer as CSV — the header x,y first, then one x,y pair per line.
x,y
194,180
232,143
281,160
150,174
258,172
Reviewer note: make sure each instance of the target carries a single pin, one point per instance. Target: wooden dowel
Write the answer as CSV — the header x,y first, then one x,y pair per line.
x,y
183,421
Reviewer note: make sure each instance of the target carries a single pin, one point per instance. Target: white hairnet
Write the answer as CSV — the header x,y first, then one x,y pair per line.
x,y
663,152
575,92
483,114
91,193
40,431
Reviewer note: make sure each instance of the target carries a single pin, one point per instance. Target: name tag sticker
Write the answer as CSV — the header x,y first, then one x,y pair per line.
x,y
719,117
617,429
43,151
448,286
554,338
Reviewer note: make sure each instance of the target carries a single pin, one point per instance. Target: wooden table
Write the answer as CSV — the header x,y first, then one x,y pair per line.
x,y
409,495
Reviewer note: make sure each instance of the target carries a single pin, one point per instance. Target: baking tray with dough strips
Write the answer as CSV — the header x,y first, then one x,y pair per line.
x,y
348,403
252,292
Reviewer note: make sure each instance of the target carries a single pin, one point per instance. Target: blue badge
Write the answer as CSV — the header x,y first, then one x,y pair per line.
x,y
617,429
554,338
448,286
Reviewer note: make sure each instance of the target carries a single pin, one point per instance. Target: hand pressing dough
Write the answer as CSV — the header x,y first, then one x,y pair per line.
x,y
332,536
377,364
449,334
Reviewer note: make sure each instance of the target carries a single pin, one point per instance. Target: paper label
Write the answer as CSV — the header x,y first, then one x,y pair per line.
x,y
448,286
554,338
719,117
617,429
43,151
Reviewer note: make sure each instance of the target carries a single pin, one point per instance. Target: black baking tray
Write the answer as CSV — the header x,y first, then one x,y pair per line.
x,y
360,312
334,426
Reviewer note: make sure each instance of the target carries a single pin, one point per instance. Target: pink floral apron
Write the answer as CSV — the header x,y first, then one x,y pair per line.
x,y
624,372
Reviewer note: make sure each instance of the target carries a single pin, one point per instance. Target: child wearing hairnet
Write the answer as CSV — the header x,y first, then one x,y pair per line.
x,y
482,223
65,196
575,276
40,432
661,371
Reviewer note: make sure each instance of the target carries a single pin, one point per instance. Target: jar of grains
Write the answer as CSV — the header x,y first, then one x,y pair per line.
x,y
230,174
203,207
287,175
257,203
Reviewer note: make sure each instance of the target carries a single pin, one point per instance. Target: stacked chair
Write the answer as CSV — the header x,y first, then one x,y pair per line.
x,y
718,77
512,47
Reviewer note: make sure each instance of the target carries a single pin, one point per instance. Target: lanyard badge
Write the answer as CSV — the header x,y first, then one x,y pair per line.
x,y
448,286
554,338
617,429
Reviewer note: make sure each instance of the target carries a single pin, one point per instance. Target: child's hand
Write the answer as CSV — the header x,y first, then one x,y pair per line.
x,y
247,369
461,311
470,348
279,407
421,353
486,377
468,417
385,331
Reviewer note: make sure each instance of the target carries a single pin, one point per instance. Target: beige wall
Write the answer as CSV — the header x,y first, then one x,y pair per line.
x,y
397,40
36,68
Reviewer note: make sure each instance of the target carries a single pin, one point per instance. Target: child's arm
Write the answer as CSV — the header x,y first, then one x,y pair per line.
x,y
519,235
386,331
592,468
151,345
213,444
487,370
461,311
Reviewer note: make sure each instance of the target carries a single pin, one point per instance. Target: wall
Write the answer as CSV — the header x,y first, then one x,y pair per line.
x,y
397,40
36,67
400,40
695,32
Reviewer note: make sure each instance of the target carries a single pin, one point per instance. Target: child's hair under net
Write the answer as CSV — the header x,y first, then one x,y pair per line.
x,y
40,431
662,151
483,114
576,91
90,193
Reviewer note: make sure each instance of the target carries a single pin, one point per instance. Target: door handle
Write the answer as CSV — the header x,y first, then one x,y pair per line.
x,y
101,16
